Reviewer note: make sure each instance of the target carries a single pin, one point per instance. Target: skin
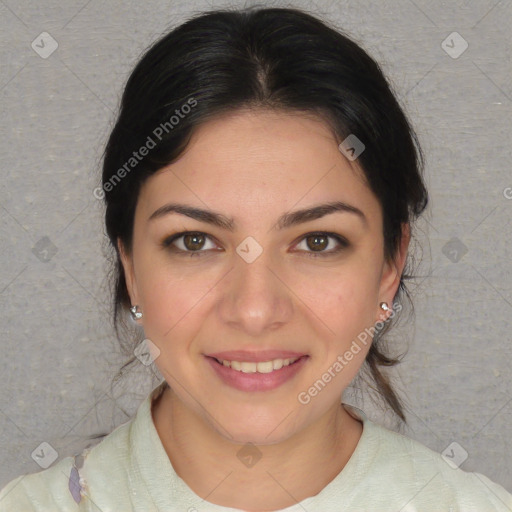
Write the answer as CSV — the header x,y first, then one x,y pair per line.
x,y
253,166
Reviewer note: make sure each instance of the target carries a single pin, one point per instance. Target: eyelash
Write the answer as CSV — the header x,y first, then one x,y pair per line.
x,y
343,244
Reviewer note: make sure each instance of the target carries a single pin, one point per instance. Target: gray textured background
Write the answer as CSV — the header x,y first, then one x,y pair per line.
x,y
58,351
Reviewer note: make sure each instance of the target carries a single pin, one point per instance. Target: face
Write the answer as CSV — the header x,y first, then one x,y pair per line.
x,y
261,275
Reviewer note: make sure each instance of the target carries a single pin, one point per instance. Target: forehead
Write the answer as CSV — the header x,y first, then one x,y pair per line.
x,y
261,161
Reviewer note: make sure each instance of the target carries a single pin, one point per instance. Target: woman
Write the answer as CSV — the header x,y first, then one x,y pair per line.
x,y
261,183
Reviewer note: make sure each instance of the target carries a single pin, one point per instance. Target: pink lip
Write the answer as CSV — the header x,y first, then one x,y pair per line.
x,y
254,356
255,381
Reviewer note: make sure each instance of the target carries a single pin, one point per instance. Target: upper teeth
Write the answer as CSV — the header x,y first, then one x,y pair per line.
x,y
261,367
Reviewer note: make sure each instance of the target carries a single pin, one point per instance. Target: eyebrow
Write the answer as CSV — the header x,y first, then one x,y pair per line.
x,y
285,221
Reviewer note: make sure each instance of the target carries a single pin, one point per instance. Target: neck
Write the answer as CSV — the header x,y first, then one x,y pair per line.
x,y
285,473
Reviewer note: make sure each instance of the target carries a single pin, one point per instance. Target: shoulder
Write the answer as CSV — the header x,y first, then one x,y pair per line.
x,y
429,478
43,491
104,474
61,487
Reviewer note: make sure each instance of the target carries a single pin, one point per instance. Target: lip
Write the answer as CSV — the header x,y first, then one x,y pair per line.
x,y
256,381
256,356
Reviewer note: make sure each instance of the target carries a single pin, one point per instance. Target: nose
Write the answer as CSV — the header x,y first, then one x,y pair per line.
x,y
255,298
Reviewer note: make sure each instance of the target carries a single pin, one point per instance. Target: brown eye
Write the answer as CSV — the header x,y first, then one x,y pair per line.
x,y
317,242
189,243
194,241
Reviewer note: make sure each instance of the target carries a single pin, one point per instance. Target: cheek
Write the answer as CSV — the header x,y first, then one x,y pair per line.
x,y
343,297
170,299
341,309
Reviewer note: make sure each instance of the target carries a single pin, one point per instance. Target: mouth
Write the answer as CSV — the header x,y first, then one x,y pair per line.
x,y
258,367
257,375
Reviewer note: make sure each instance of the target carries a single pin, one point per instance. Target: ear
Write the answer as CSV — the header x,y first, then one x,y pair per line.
x,y
392,271
129,274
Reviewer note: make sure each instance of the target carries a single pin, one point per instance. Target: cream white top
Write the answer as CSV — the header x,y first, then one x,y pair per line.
x,y
129,470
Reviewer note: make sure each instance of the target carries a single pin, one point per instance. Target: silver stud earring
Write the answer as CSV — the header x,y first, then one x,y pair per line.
x,y
384,306
136,314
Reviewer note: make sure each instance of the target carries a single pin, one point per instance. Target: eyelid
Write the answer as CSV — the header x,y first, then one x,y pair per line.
x,y
169,240
342,242
329,234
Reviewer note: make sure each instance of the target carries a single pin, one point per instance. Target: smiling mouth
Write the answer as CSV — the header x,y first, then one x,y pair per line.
x,y
258,367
